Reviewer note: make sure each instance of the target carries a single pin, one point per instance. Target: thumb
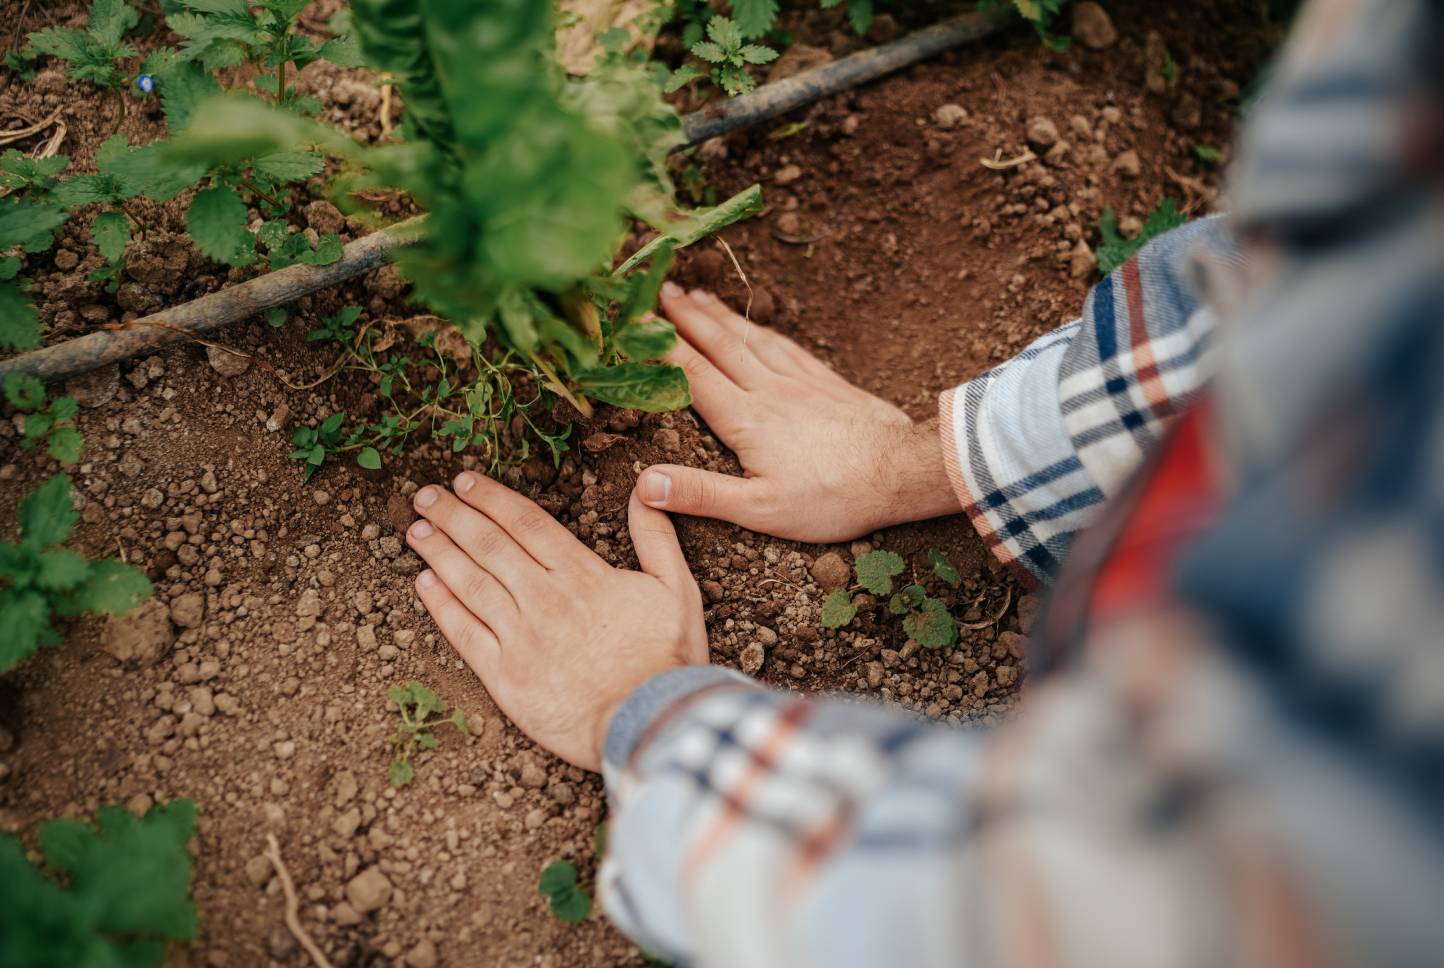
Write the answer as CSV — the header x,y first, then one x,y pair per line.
x,y
687,490
658,551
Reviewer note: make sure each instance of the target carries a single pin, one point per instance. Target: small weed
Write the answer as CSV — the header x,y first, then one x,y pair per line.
x,y
558,884
421,712
925,619
730,55
1113,249
41,424
1208,154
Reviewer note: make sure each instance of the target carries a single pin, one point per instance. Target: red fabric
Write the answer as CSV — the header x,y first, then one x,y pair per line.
x,y
1180,499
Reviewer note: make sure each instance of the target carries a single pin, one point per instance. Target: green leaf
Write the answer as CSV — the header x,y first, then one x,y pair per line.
x,y
29,224
709,52
23,391
725,33
1207,154
25,617
19,326
276,317
943,568
110,587
698,224
758,54
680,77
400,773
649,387
558,884
111,232
343,51
182,86
65,444
109,20
754,17
906,600
9,267
285,167
647,340
61,569
151,170
931,626
369,459
47,514
876,570
838,610
1114,250
327,251
133,874
217,221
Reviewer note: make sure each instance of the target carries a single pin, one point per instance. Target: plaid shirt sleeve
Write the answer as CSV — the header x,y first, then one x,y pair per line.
x,y
1247,768
1034,447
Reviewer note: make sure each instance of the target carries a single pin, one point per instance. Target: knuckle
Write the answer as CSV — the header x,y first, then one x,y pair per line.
x,y
696,366
531,521
477,587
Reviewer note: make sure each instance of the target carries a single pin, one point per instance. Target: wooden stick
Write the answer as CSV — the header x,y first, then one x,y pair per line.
x,y
293,906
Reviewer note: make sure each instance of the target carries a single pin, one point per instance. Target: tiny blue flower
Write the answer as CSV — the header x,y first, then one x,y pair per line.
x,y
145,83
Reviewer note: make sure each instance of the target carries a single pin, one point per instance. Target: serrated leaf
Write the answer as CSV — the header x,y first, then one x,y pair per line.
x,y
217,220
725,33
758,54
327,251
369,459
649,387
150,171
46,514
111,587
23,391
680,77
65,444
29,224
400,773
182,86
110,232
709,52
61,569
943,568
343,51
285,167
931,626
876,570
838,609
109,20
754,17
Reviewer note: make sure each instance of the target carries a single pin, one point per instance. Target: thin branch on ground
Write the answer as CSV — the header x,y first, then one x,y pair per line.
x,y
293,906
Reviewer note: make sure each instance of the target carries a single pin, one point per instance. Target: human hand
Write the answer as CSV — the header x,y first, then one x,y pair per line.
x,y
823,460
559,637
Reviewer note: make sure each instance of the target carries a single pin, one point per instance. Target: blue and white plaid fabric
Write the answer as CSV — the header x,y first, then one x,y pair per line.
x,y
1248,770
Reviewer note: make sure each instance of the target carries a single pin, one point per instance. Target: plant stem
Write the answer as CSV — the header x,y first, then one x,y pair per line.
x,y
256,190
281,84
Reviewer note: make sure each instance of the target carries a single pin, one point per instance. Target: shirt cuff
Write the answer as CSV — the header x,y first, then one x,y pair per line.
x,y
644,710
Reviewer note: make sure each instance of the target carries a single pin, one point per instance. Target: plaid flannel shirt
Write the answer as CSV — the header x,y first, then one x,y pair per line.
x,y
1248,767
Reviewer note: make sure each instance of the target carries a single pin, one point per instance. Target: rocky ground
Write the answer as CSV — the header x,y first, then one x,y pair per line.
x,y
904,242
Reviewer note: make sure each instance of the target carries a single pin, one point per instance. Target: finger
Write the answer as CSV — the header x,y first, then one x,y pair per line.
x,y
523,520
478,589
687,490
483,540
714,395
658,550
723,350
766,344
468,635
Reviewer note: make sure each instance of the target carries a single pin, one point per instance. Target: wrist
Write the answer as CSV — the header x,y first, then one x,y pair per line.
x,y
915,485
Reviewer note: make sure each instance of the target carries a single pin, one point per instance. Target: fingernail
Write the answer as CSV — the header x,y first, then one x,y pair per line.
x,y
426,497
701,295
465,481
421,530
656,488
427,579
671,290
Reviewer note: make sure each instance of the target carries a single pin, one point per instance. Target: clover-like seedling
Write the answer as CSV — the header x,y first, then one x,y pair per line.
x,y
730,56
925,619
421,712
41,424
558,884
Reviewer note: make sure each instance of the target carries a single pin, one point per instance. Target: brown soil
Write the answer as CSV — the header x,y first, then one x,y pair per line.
x,y
888,248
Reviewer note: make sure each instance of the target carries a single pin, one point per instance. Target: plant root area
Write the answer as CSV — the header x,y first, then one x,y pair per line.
x,y
899,245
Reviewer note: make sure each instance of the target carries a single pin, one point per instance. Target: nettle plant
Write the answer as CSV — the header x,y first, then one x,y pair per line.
x,y
421,711
926,619
529,180
112,893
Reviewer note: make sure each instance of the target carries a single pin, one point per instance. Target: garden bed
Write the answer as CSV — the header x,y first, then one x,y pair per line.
x,y
889,248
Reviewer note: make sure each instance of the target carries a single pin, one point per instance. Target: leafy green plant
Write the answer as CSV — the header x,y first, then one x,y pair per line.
x,y
27,224
40,578
95,52
730,55
925,618
227,33
558,884
421,711
109,894
1113,249
1208,154
1041,14
50,425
